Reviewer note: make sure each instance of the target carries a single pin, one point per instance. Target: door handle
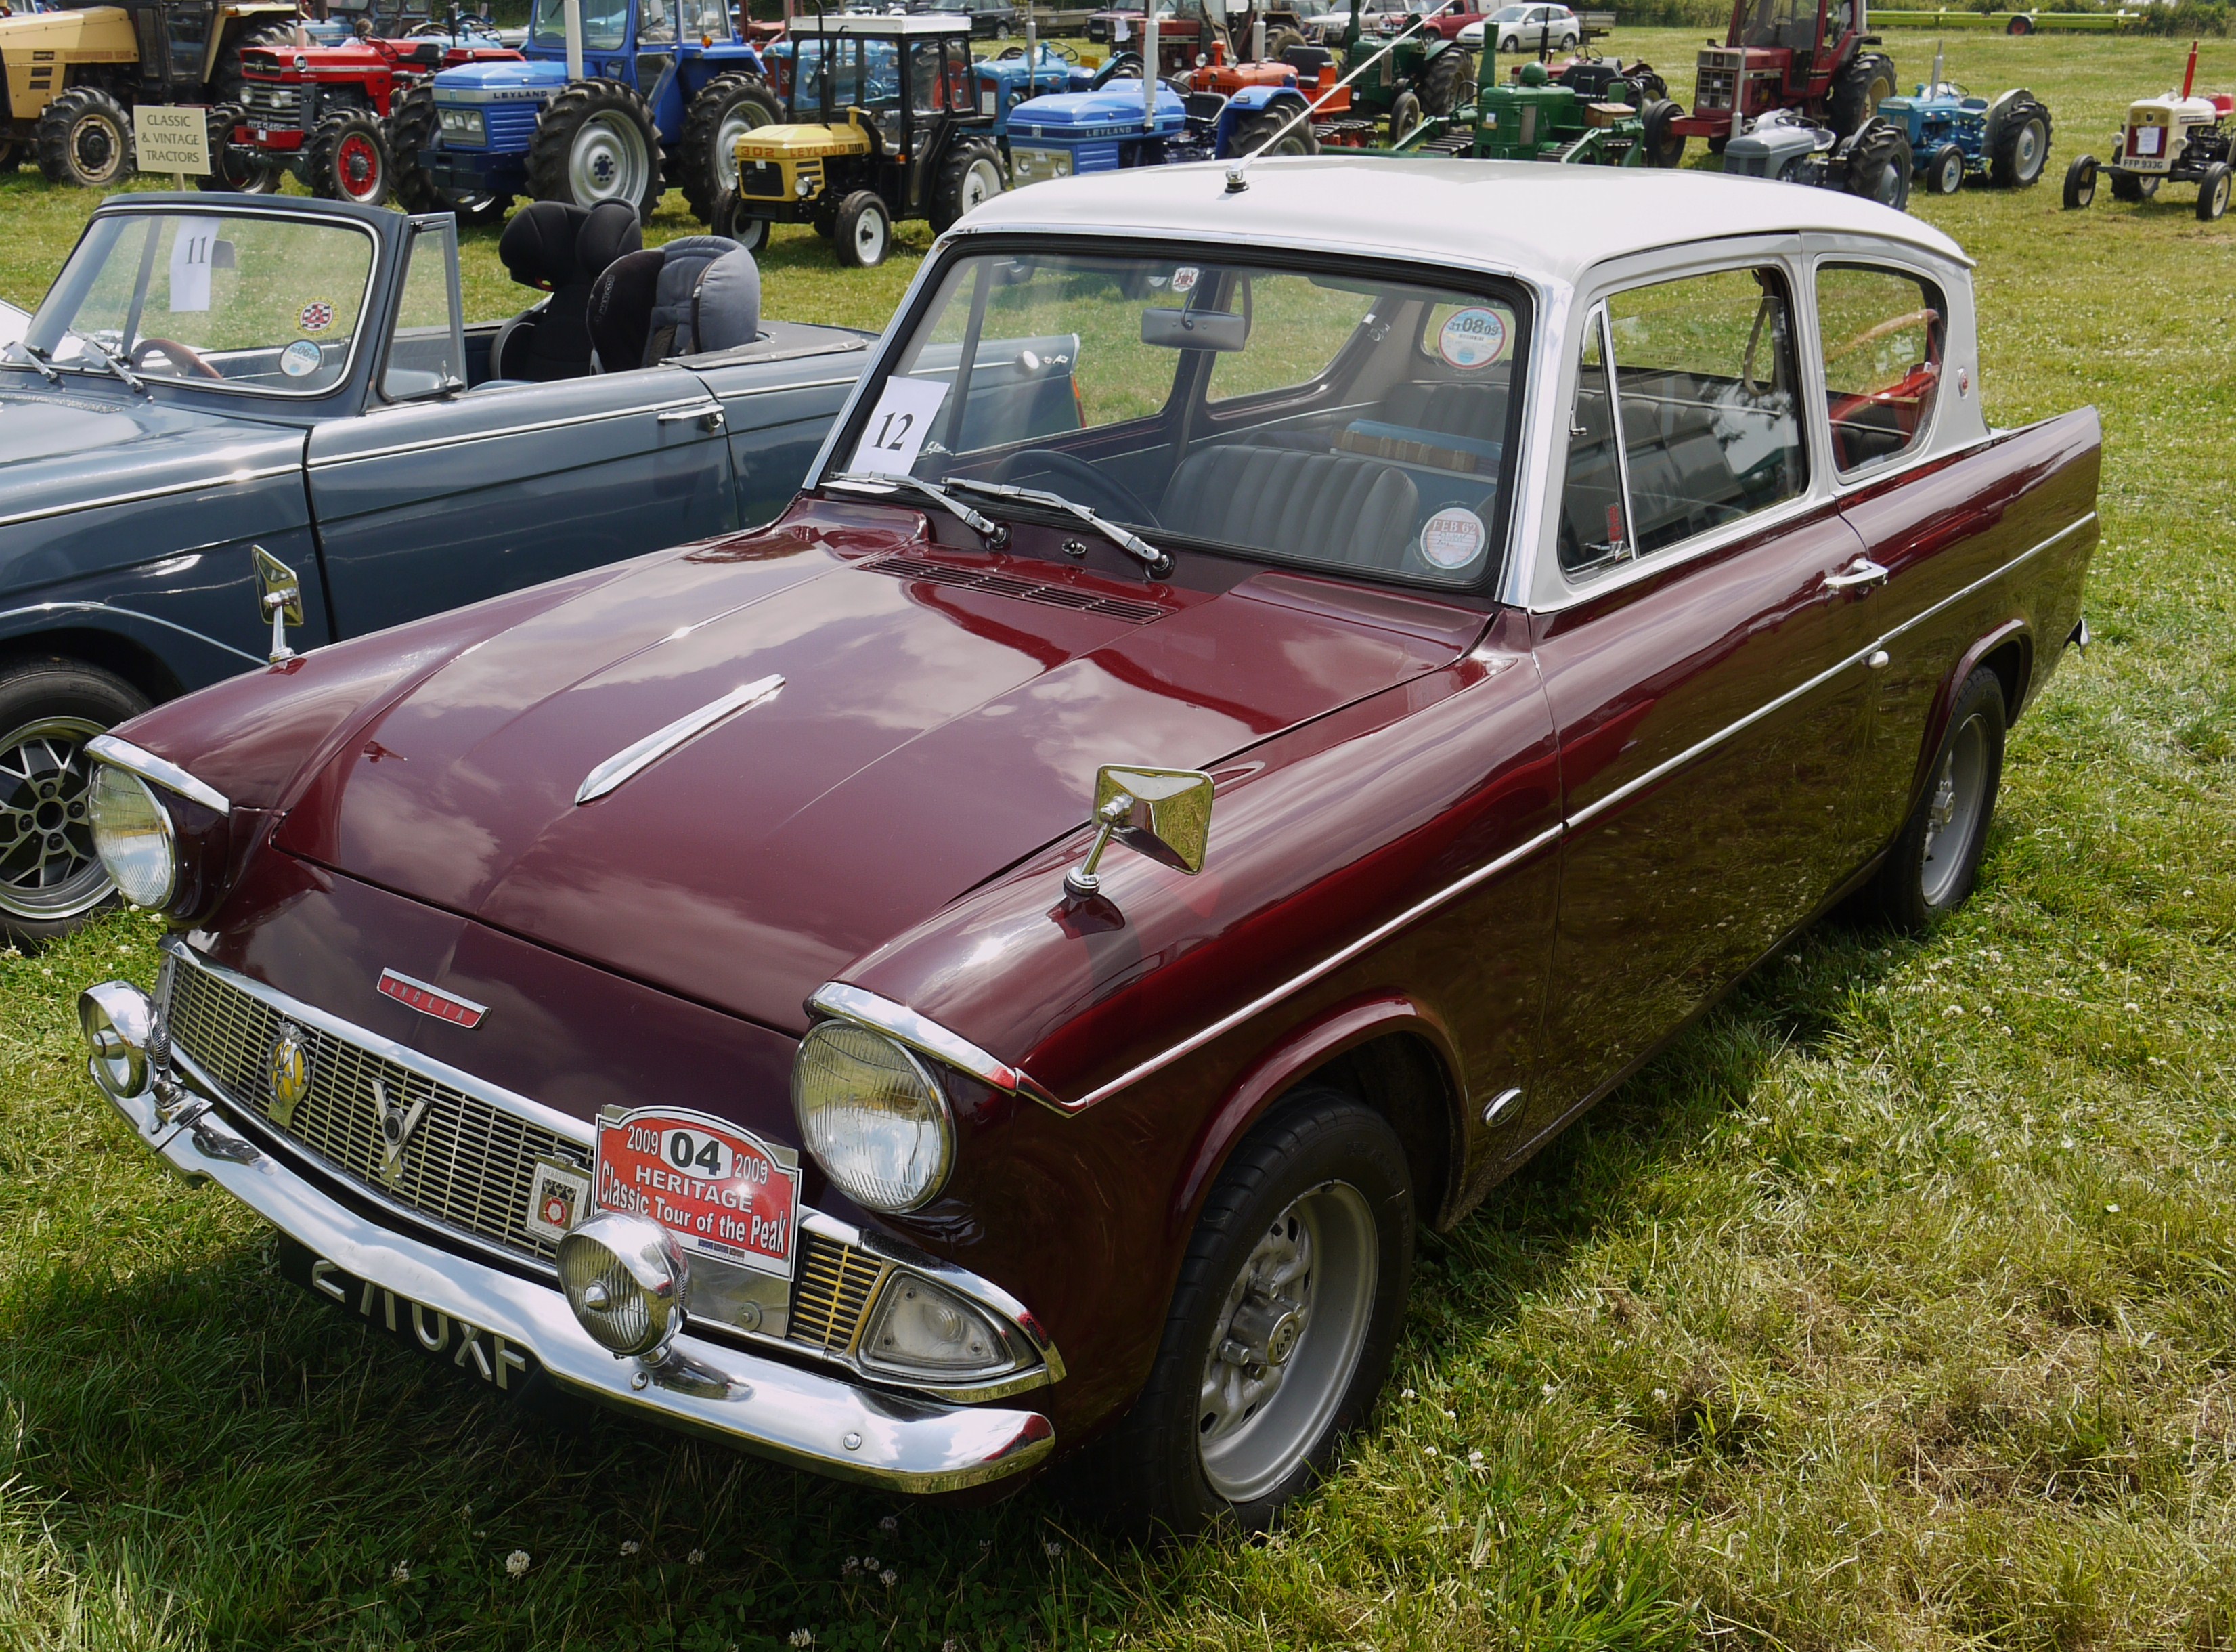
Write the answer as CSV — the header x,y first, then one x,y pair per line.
x,y
707,415
1859,574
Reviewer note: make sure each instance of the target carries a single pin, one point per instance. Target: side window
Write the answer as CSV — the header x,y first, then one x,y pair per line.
x,y
426,356
1592,516
1883,332
1297,328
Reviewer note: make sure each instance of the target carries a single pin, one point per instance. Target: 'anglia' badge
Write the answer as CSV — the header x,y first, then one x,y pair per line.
x,y
721,1190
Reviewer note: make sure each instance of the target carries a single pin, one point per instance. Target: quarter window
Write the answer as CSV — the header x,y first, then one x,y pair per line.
x,y
1884,333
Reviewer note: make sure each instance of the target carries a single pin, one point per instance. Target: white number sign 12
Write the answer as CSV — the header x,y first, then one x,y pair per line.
x,y
897,425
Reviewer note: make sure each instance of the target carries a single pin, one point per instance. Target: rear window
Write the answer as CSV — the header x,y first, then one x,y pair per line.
x,y
1884,331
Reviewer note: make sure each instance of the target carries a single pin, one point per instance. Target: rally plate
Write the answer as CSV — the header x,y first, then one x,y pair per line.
x,y
722,1191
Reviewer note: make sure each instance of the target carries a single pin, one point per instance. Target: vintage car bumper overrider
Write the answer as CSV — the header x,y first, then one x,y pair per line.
x,y
827,1423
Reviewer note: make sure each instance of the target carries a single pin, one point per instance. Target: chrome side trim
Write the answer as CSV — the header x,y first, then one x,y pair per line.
x,y
774,389
1986,580
133,614
430,445
631,760
123,753
922,1034
167,490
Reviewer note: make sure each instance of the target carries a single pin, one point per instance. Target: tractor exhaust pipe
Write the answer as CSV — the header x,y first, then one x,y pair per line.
x,y
1933,87
1149,65
2189,74
1032,48
573,15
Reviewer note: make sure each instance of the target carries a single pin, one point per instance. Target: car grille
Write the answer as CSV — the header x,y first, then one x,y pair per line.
x,y
468,1163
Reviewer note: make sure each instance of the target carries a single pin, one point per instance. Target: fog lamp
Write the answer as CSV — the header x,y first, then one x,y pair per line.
x,y
117,1018
922,1329
872,1115
625,1281
132,834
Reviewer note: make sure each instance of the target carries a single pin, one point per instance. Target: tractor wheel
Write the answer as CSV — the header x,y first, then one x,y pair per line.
x,y
2212,193
1404,116
864,233
595,143
237,171
1278,41
412,127
2022,146
1663,146
2079,182
2126,186
225,77
1444,80
1257,128
751,233
1944,172
1861,87
970,174
348,160
729,107
1879,165
1649,82
85,138
1716,145
11,156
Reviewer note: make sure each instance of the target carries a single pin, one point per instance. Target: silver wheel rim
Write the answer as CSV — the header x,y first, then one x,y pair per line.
x,y
1952,814
607,161
1952,174
2028,152
48,868
981,183
870,236
1288,1342
739,119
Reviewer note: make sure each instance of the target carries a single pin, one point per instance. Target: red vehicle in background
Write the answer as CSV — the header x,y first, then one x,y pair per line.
x,y
1802,55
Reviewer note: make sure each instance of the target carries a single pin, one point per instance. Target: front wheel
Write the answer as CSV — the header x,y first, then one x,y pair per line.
x,y
2079,182
729,221
1404,116
1945,173
50,879
84,137
863,232
348,160
1930,869
1281,1327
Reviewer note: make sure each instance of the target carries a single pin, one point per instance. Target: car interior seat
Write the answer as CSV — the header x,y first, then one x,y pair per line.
x,y
695,295
562,249
1325,507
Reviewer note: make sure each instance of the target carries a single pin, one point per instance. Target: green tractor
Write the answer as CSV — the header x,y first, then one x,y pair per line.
x,y
1533,117
1425,75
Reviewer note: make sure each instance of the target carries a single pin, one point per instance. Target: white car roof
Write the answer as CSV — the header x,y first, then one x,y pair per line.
x,y
878,24
1534,219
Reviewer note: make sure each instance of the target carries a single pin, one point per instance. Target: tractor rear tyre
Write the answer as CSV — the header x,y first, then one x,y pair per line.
x,y
412,127
864,233
236,171
728,221
348,160
1444,79
85,138
1255,129
1861,87
1279,42
2022,146
1879,165
1944,170
225,77
2126,186
2079,182
1663,146
1404,116
729,107
971,174
596,142
2212,192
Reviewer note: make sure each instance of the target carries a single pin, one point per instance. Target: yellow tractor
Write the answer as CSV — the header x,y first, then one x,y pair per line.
x,y
69,78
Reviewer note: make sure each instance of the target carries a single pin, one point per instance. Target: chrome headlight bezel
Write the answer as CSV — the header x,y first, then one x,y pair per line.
x,y
119,790
627,1282
913,1178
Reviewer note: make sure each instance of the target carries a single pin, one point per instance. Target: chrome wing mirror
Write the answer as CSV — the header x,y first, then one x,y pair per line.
x,y
1164,813
278,595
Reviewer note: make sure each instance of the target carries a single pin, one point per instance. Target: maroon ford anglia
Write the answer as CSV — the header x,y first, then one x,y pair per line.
x,y
1281,689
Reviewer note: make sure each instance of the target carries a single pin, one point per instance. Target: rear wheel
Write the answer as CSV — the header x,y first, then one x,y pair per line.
x,y
970,174
1931,868
1945,173
348,160
863,232
728,107
596,142
1279,42
84,137
2126,186
412,127
1861,87
2212,193
234,169
1255,130
50,877
2079,182
2021,147
1663,146
1880,166
1444,80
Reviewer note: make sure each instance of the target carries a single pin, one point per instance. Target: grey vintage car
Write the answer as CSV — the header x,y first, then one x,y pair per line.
x,y
217,384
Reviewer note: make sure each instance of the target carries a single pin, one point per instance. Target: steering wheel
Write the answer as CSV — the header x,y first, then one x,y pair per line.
x,y
179,354
1081,483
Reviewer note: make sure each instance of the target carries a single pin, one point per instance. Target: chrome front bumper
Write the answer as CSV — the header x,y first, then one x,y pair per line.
x,y
823,1424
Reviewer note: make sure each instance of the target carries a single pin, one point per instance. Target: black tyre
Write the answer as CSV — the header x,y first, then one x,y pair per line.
x,y
1935,859
1716,145
970,174
1257,128
1856,94
1279,42
2020,25
49,877
1663,146
84,137
1879,165
2212,193
863,232
234,169
1281,1327
348,160
729,107
2079,182
2127,187
1404,114
1444,79
596,142
412,127
729,222
11,156
2022,146
225,75
1944,170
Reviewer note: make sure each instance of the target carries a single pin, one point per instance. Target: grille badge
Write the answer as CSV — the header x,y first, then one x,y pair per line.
x,y
288,1070
431,1000
396,1124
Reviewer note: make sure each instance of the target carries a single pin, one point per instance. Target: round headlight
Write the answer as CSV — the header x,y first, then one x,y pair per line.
x,y
116,1019
873,1117
133,835
625,1281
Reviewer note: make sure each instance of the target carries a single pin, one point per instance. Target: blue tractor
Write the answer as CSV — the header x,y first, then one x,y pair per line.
x,y
1954,136
642,92
1005,82
1123,123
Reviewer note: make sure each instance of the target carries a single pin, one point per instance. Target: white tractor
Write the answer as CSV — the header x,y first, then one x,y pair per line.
x,y
2180,136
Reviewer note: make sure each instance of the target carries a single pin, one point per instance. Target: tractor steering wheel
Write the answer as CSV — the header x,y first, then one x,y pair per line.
x,y
180,356
1087,485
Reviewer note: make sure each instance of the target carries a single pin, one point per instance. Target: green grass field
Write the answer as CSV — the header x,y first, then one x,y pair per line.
x,y
1894,1307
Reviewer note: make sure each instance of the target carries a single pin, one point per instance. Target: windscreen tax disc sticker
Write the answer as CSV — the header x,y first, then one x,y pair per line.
x,y
1472,338
898,425
300,359
1451,539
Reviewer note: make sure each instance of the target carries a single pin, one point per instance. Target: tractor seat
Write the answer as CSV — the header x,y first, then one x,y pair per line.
x,y
697,293
1308,60
562,249
1325,507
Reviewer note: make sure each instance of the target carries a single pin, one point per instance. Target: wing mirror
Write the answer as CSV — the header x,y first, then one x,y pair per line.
x,y
1164,813
279,594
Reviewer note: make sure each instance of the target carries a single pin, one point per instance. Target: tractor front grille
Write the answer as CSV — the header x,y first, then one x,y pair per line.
x,y
761,180
511,126
275,108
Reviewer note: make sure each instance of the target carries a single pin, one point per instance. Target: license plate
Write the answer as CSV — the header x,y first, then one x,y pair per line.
x,y
488,1358
722,1191
262,136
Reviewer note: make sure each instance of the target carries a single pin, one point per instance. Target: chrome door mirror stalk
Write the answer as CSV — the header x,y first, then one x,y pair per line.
x,y
278,595
1164,813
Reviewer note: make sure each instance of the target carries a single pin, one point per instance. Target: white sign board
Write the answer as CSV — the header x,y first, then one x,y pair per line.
x,y
172,137
897,425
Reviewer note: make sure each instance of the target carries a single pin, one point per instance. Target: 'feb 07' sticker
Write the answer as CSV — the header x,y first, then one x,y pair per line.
x,y
722,1191
1472,338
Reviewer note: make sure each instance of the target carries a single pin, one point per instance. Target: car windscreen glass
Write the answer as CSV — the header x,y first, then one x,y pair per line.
x,y
219,302
605,23
1088,376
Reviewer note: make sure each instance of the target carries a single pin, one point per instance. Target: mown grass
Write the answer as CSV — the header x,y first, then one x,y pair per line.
x,y
1894,1307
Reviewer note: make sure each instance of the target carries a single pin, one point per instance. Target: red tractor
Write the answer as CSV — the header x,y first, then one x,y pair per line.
x,y
1805,56
322,111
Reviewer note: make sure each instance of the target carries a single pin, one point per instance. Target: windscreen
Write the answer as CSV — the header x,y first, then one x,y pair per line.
x,y
605,23
1327,417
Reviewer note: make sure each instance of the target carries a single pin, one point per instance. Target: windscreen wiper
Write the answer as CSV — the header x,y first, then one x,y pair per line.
x,y
115,367
37,358
1156,562
993,532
